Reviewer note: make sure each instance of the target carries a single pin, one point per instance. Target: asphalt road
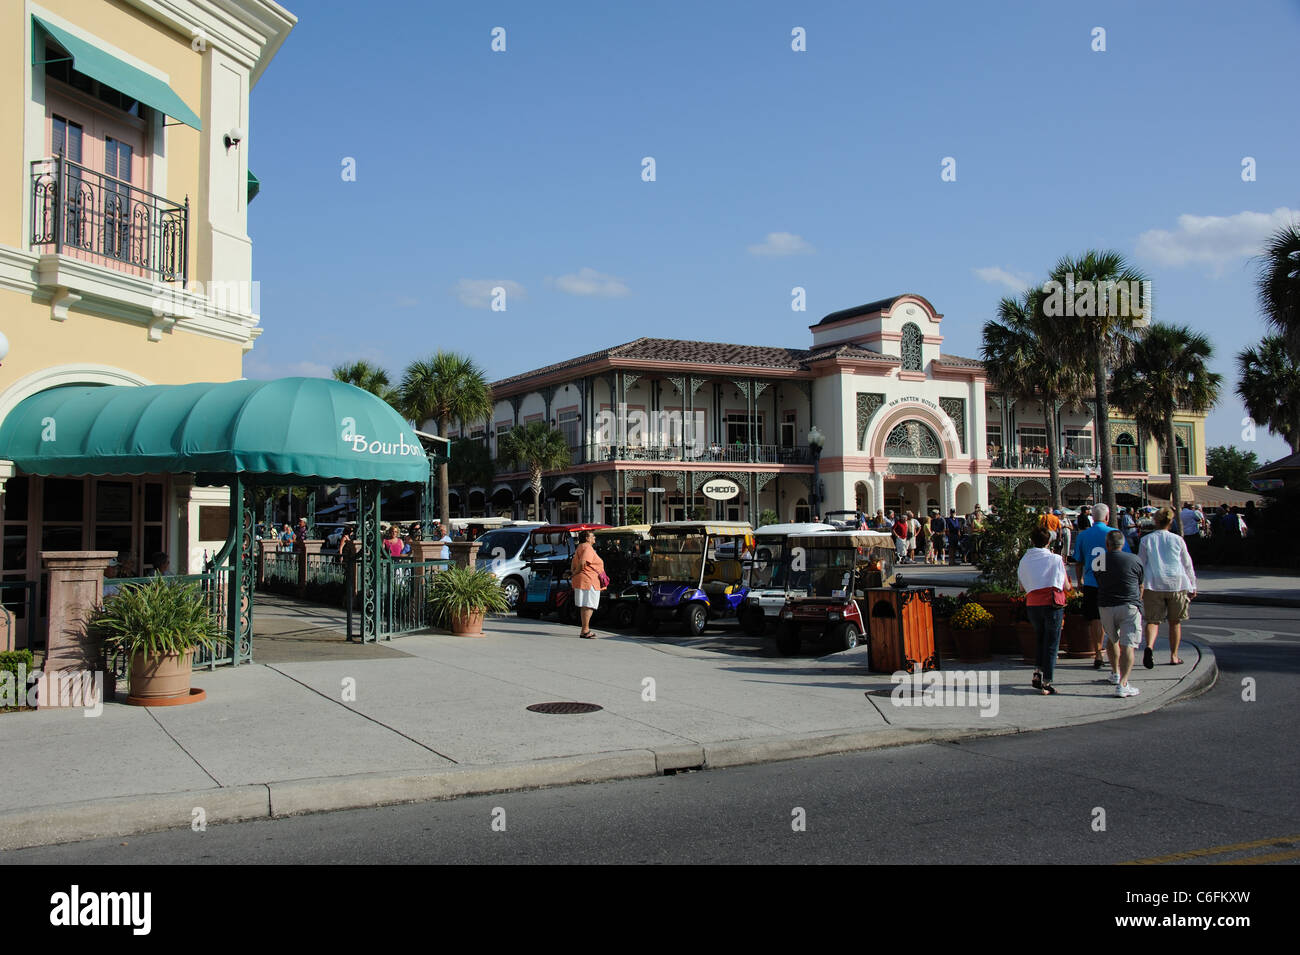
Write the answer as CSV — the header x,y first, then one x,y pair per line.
x,y
1195,777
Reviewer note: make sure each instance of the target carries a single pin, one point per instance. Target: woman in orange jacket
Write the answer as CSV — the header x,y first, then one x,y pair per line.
x,y
588,569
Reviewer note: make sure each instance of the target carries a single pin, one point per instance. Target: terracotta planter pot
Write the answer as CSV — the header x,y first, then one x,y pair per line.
x,y
972,645
943,641
161,676
1004,625
467,625
1074,637
1028,642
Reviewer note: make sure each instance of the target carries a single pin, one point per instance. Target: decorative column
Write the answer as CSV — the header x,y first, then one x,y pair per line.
x,y
464,553
76,587
368,535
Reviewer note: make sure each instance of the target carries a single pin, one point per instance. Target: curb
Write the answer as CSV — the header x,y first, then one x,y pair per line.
x,y
136,815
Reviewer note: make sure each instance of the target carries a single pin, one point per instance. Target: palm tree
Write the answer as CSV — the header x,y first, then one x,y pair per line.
x,y
1169,372
1269,386
1278,284
1024,358
538,447
1106,336
441,388
367,377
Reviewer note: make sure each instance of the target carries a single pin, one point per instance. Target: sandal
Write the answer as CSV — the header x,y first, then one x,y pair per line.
x,y
1098,662
1038,680
1048,690
586,635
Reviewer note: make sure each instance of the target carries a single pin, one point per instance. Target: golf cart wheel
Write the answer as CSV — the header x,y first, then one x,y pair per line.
x,y
623,616
846,636
645,620
754,621
513,589
788,640
697,618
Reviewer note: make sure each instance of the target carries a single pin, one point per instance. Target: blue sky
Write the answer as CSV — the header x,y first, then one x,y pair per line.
x,y
773,169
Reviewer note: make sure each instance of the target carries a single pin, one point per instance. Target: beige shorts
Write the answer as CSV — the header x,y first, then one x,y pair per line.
x,y
1159,605
1123,625
586,598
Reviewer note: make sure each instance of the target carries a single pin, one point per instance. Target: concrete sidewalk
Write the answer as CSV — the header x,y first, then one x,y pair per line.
x,y
430,716
1216,586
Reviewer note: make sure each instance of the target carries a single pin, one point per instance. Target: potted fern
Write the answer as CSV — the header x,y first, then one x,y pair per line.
x,y
461,596
157,624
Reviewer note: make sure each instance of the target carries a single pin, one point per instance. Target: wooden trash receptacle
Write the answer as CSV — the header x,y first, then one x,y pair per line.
x,y
900,628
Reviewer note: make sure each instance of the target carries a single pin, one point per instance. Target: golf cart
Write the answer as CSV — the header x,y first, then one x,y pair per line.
x,y
697,571
767,574
548,556
838,566
842,520
626,553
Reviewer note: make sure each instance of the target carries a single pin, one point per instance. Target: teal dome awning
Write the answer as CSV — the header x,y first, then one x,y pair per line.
x,y
286,431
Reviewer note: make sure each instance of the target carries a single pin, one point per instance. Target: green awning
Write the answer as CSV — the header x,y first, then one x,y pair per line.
x,y
254,185
291,430
109,70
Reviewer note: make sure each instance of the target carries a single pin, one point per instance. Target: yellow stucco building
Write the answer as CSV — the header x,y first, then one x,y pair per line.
x,y
124,248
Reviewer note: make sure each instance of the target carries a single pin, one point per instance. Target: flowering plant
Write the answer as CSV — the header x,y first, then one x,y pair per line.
x,y
971,616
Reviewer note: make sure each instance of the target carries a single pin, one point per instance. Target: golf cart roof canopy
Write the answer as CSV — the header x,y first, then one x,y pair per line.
x,y
640,530
837,539
721,528
786,530
569,528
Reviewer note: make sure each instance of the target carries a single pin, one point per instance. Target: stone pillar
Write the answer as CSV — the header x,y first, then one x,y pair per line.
x,y
264,547
8,630
301,551
464,553
76,588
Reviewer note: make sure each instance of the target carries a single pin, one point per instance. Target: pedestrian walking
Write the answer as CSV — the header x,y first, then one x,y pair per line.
x,y
1170,585
937,535
1043,577
913,529
393,542
286,538
952,529
1090,552
899,532
588,580
441,531
1119,603
924,542
1191,523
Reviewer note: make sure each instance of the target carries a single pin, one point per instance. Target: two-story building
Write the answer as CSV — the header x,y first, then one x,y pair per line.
x,y
895,422
124,250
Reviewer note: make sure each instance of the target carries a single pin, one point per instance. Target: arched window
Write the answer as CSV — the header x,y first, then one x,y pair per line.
x,y
1184,457
911,347
913,439
1124,452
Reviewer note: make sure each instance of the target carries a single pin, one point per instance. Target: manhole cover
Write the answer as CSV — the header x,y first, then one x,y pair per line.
x,y
564,707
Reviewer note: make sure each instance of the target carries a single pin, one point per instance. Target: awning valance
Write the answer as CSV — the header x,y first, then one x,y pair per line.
x,y
123,77
254,186
287,431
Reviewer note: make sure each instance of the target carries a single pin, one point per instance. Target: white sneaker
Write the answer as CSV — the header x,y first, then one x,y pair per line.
x,y
1114,679
1126,691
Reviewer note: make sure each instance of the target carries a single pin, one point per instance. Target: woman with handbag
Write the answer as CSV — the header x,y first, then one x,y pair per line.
x,y
1042,576
588,581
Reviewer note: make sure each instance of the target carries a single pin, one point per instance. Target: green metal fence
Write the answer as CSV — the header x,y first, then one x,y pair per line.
x,y
404,593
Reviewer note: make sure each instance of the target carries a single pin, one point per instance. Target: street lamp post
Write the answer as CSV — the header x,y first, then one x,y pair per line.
x,y
815,442
1090,472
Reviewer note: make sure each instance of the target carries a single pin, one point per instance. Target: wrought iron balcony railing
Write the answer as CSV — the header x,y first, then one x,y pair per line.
x,y
705,452
78,211
1037,461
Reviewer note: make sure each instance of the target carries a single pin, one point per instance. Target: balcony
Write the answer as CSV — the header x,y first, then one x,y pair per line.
x,y
1037,461
711,453
88,215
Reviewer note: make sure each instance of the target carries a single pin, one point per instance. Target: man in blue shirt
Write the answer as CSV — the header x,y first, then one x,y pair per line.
x,y
1090,553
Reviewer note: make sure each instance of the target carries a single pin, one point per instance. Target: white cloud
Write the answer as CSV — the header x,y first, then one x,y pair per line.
x,y
1011,280
1212,240
588,281
477,293
781,243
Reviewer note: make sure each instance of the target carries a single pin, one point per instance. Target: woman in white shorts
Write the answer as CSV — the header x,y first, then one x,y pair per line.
x,y
588,569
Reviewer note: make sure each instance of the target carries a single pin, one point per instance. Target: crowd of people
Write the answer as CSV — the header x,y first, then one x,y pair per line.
x,y
932,540
1130,585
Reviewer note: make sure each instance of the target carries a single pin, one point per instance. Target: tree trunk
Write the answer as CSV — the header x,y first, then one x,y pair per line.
x,y
535,481
1101,425
1175,491
444,491
1053,465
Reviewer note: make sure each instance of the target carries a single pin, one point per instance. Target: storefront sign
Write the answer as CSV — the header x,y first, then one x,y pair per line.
x,y
721,490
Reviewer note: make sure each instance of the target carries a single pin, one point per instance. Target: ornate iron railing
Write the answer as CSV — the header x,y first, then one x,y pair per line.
x,y
711,452
1037,461
404,594
108,221
280,569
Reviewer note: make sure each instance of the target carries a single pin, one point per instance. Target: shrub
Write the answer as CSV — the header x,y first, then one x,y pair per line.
x,y
971,616
945,606
160,616
460,591
1002,543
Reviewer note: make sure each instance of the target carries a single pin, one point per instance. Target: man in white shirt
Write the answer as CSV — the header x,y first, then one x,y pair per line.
x,y
444,540
1170,585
